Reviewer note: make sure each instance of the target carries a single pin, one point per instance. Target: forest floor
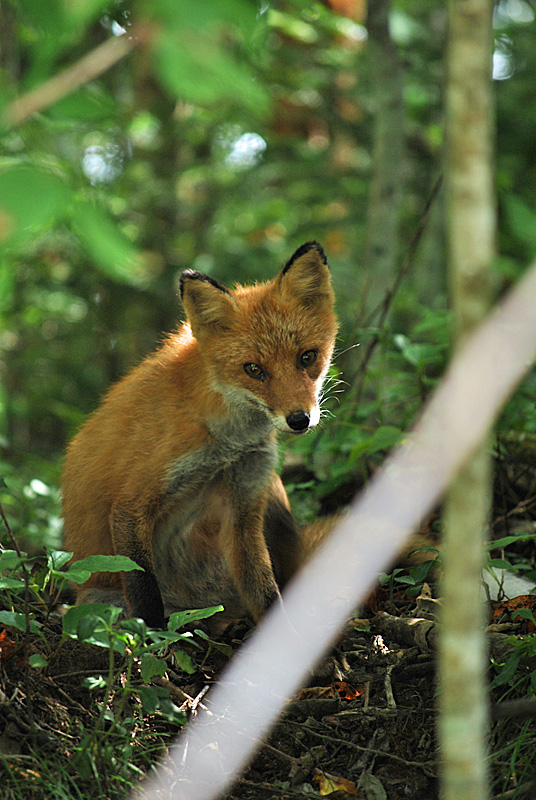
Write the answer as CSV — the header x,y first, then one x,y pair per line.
x,y
369,736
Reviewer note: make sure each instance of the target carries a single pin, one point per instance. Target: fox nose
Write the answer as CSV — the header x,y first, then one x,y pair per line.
x,y
298,420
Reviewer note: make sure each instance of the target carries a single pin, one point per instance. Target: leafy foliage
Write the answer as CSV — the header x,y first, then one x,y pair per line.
x,y
227,133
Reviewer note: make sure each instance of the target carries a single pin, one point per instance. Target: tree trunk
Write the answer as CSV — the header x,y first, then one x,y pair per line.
x,y
386,188
471,231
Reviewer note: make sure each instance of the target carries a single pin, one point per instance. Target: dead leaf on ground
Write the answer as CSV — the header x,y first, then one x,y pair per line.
x,y
328,785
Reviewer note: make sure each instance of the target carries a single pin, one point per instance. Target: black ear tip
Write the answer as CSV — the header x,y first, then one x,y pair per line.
x,y
195,275
306,248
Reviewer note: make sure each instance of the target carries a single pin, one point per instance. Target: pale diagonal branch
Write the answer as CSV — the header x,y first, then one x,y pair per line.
x,y
89,67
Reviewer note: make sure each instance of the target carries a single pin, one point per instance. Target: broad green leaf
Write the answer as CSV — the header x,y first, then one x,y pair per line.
x,y
72,617
30,199
385,438
79,13
37,660
407,579
93,564
149,698
89,622
75,575
58,558
419,355
11,583
507,672
113,253
501,563
45,15
184,661
180,618
156,698
524,613
152,667
9,559
195,69
507,540
14,620
87,625
208,16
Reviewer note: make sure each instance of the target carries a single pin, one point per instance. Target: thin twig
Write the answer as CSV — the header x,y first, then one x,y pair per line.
x,y
353,746
385,305
83,71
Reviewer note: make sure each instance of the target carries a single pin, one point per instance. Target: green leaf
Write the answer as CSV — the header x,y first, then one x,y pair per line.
x,y
149,698
152,667
79,14
37,660
184,661
11,583
226,649
87,622
500,563
521,220
524,613
180,618
93,564
15,620
417,354
31,198
10,559
193,68
385,438
507,540
113,253
57,559
210,15
156,698
89,104
93,682
406,579
45,15
87,625
75,575
507,672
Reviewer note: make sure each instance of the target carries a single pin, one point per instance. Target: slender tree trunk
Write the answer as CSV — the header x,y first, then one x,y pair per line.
x,y
386,187
471,221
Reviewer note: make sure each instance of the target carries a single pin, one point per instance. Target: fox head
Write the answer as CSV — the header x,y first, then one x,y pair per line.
x,y
269,344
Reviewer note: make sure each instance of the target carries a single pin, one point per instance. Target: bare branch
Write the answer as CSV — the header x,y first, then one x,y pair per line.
x,y
89,67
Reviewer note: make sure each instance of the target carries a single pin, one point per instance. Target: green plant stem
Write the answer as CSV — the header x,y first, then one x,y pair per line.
x,y
26,642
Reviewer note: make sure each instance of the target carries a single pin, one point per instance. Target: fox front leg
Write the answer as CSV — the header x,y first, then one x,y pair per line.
x,y
131,537
249,560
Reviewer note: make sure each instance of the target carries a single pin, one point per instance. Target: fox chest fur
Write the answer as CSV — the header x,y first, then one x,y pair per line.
x,y
204,488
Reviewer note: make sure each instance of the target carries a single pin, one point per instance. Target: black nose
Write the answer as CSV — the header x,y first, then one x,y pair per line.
x,y
298,420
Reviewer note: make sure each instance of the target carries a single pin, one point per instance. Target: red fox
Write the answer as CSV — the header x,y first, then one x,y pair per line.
x,y
176,469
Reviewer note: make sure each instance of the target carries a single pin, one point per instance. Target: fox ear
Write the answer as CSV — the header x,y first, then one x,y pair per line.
x,y
207,303
306,276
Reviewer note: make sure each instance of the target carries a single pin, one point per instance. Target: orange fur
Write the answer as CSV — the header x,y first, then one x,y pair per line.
x,y
176,467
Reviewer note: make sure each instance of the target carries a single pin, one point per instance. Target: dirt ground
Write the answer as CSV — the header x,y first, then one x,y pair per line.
x,y
368,736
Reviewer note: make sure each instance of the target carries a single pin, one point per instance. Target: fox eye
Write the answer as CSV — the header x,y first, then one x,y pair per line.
x,y
308,358
254,371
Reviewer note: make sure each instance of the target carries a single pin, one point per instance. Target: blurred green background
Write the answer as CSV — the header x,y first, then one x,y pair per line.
x,y
232,132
